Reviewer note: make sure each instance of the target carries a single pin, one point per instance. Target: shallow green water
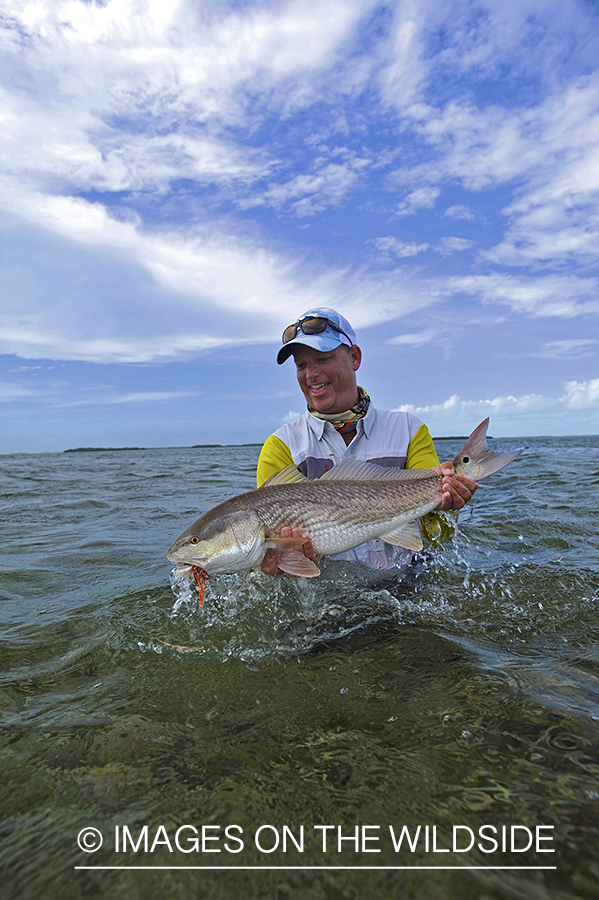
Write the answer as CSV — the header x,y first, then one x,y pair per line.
x,y
463,695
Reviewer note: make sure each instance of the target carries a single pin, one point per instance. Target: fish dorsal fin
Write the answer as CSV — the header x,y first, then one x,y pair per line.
x,y
368,471
407,536
288,475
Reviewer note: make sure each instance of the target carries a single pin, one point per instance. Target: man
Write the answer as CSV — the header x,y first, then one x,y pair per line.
x,y
341,423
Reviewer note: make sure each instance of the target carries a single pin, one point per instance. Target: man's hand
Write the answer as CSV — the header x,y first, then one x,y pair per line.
x,y
457,489
269,563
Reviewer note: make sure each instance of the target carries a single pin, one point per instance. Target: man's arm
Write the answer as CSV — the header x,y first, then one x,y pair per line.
x,y
274,456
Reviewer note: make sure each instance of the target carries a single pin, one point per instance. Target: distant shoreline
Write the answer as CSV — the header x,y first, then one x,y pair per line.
x,y
438,438
100,449
451,437
119,449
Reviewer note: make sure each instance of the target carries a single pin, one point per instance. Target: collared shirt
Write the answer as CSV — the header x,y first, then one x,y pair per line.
x,y
387,437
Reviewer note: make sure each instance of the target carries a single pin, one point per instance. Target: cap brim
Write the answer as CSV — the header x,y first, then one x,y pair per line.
x,y
323,342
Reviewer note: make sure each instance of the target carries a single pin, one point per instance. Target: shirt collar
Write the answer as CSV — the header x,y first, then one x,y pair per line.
x,y
368,420
318,425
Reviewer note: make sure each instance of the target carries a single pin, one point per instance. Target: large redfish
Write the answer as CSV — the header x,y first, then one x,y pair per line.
x,y
352,503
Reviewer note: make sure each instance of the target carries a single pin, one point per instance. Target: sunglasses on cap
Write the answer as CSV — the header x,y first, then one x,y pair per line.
x,y
312,325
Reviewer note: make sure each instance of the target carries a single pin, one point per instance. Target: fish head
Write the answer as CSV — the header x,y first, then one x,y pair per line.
x,y
220,544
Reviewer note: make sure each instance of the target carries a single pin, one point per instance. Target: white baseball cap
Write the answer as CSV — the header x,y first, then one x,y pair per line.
x,y
323,329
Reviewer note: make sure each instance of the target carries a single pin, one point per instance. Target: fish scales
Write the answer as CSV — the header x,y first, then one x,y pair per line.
x,y
350,504
339,515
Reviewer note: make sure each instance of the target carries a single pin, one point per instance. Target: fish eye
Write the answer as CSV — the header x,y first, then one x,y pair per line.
x,y
194,540
466,459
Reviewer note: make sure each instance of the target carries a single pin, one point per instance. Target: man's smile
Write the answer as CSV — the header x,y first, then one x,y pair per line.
x,y
319,388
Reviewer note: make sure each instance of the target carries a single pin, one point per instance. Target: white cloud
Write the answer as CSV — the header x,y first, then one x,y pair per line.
x,y
416,339
15,392
581,395
126,97
459,211
575,348
563,296
523,414
545,150
326,186
449,245
56,393
129,96
135,96
421,198
291,416
134,398
556,216
391,246
236,276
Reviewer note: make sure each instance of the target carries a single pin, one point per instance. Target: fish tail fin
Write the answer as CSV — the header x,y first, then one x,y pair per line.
x,y
476,460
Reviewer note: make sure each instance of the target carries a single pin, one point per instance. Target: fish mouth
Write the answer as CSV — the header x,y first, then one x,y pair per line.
x,y
182,569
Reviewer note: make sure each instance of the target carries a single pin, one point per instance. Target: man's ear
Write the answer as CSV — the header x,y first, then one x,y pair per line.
x,y
355,355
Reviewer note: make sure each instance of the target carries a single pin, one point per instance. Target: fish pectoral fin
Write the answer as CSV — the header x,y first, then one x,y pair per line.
x,y
290,559
407,536
295,563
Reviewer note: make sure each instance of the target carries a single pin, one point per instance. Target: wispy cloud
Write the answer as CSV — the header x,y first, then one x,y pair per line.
x,y
459,211
315,191
421,198
562,296
574,348
390,246
181,178
56,393
449,245
415,339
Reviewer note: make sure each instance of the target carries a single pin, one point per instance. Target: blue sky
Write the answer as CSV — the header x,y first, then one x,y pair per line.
x,y
180,180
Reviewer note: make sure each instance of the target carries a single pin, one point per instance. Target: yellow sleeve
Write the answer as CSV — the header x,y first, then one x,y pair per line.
x,y
437,527
274,456
421,451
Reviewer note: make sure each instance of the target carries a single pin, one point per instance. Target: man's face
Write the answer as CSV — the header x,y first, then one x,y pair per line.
x,y
328,379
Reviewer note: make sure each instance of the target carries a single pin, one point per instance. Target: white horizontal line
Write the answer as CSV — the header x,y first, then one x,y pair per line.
x,y
318,868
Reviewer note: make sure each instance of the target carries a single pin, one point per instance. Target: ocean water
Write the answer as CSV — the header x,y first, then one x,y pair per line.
x,y
279,743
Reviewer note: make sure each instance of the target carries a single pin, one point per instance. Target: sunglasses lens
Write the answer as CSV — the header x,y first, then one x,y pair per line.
x,y
290,332
314,325
311,325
